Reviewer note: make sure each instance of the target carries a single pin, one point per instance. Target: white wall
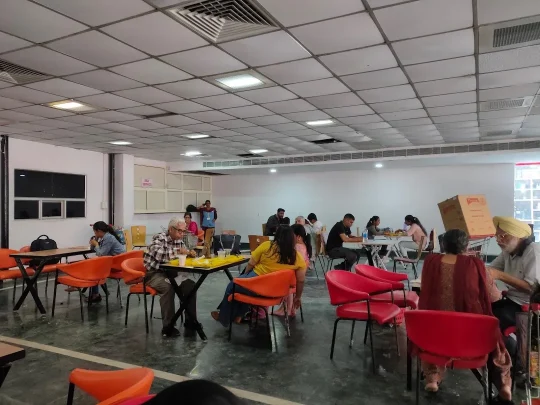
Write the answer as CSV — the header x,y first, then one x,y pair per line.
x,y
244,202
39,156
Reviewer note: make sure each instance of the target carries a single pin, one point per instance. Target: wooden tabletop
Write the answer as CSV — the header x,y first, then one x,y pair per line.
x,y
9,353
72,251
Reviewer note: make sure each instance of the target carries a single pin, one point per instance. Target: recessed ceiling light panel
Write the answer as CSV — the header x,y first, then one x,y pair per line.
x,y
121,143
273,170
319,123
257,151
196,136
192,153
240,81
74,106
378,165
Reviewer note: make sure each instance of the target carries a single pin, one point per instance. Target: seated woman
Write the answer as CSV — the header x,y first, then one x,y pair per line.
x,y
416,230
373,230
109,245
304,247
191,226
460,283
269,257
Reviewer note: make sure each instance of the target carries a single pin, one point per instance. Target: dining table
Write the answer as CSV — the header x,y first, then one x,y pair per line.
x,y
9,354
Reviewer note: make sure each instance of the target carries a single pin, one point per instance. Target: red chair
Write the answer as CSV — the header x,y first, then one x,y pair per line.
x,y
451,339
414,262
409,298
351,293
116,269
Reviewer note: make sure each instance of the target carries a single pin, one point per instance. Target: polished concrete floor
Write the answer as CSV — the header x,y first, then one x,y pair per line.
x,y
297,371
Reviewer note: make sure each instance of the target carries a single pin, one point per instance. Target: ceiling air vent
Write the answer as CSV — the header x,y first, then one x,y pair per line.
x,y
223,20
325,141
499,133
507,103
509,34
15,74
247,155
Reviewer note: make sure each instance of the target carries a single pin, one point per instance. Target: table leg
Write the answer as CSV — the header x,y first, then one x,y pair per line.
x,y
228,273
4,370
30,285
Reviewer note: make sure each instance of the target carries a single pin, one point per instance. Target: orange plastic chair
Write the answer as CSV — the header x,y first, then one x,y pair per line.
x,y
84,274
116,268
9,269
138,236
270,290
111,387
133,273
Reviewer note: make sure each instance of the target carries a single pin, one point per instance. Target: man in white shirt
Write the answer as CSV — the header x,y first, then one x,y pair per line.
x,y
315,223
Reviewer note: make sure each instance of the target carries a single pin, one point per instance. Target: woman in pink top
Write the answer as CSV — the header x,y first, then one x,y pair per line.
x,y
191,225
416,230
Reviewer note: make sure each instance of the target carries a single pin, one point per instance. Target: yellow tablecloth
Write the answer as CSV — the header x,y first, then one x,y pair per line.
x,y
209,263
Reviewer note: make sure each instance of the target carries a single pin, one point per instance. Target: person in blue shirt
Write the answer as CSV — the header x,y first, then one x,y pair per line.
x,y
105,243
208,216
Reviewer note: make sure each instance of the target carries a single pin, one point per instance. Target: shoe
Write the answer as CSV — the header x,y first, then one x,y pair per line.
x,y
93,299
500,401
170,332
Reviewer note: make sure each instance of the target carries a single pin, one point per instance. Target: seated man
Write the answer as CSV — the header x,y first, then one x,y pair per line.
x,y
518,266
274,222
164,247
340,233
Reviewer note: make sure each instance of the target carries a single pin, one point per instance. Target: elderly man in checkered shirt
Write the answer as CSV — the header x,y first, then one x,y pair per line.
x,y
164,247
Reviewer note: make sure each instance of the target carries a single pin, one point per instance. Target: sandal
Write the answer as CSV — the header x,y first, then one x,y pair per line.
x,y
432,386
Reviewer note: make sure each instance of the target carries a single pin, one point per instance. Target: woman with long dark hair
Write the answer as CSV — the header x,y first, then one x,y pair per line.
x,y
104,243
416,230
373,230
269,257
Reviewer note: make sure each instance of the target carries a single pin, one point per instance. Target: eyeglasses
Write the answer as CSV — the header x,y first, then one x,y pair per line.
x,y
501,236
176,229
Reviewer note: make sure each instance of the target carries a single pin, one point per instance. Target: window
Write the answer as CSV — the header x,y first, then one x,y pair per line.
x,y
42,195
527,195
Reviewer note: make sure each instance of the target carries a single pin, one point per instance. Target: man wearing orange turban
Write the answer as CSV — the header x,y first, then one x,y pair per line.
x,y
518,266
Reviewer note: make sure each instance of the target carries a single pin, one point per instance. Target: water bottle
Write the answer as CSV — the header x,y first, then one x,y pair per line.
x,y
365,235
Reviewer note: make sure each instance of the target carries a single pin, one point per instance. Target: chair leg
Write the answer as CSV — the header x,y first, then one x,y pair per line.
x,y
119,295
81,301
414,269
14,289
395,332
315,268
372,350
47,284
366,332
231,317
333,339
71,391
418,367
127,308
54,294
106,292
352,334
287,318
152,309
301,313
145,309
395,263
268,326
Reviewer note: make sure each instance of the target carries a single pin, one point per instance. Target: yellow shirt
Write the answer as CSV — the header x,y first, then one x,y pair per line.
x,y
267,263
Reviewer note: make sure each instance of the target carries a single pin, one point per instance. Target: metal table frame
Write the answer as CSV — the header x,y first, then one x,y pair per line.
x,y
14,353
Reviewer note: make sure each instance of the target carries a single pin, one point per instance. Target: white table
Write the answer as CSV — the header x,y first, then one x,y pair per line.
x,y
374,246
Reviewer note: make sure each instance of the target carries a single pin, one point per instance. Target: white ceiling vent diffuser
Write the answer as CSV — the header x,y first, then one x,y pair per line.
x,y
223,20
505,104
509,34
15,74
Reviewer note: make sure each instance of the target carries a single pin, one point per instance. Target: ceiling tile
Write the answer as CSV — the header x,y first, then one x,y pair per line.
x,y
151,71
92,130
351,111
404,115
104,80
46,61
307,116
285,127
509,92
83,120
361,120
464,124
400,105
436,47
267,95
210,116
372,80
360,60
204,61
450,99
490,11
28,95
63,88
97,48
268,120
418,129
452,109
371,125
160,35
166,131
15,116
509,77
56,124
296,71
192,88
98,12
509,59
232,124
318,87
10,43
494,121
143,110
146,124
252,130
182,107
446,86
8,103
442,69
223,101
109,101
274,47
113,116
514,112
115,126
176,120
247,111
411,122
41,111
336,100
35,23
148,95
203,127
425,17
289,106
387,94
306,11
27,127
339,34
455,118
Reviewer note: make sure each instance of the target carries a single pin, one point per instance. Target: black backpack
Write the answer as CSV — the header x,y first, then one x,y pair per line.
x,y
227,242
43,244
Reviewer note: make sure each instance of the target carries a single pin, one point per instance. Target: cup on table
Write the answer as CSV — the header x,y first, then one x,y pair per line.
x,y
227,252
182,260
221,254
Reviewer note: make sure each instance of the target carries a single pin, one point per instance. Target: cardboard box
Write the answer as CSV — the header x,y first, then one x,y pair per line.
x,y
470,213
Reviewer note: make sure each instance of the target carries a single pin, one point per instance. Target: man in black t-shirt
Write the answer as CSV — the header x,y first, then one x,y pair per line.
x,y
340,233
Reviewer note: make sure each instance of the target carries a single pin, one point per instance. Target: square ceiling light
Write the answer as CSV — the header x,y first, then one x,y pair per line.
x,y
240,81
319,123
74,106
196,136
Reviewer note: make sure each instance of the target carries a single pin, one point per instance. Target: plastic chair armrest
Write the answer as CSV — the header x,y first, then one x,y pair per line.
x,y
348,296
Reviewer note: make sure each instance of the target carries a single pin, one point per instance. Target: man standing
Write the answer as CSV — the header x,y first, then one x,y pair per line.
x,y
341,232
164,247
208,225
274,222
518,266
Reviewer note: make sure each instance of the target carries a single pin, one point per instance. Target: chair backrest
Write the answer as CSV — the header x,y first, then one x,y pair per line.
x,y
7,262
95,269
133,269
228,232
264,229
432,241
118,259
452,334
127,238
23,250
138,234
273,285
256,240
374,273
344,287
323,229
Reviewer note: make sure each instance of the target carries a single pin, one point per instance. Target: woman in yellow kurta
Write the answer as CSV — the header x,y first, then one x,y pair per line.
x,y
279,254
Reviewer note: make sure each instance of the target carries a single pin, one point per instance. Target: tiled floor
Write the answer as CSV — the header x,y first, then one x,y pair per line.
x,y
298,370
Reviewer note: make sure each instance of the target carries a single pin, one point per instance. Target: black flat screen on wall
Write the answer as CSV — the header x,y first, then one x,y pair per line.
x,y
31,183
